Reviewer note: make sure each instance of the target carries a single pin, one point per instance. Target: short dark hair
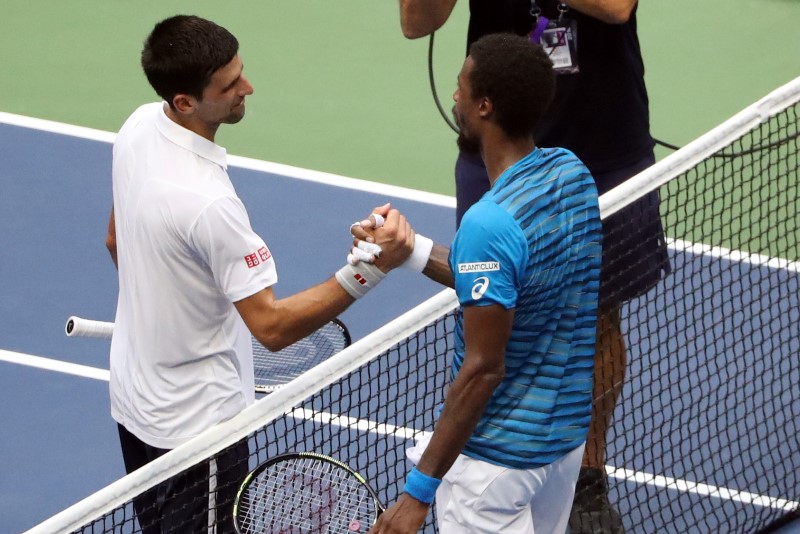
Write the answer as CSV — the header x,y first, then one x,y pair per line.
x,y
182,52
517,76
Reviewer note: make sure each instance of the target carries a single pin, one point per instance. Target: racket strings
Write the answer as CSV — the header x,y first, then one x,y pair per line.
x,y
277,366
307,496
273,369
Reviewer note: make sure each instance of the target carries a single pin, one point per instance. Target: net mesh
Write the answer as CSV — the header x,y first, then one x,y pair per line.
x,y
705,436
704,433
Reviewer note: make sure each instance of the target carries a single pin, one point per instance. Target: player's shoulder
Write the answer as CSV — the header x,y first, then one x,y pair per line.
x,y
571,174
485,213
142,116
489,222
145,112
149,108
564,157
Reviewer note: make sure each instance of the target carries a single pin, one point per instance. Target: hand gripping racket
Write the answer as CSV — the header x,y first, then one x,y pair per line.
x,y
305,492
272,369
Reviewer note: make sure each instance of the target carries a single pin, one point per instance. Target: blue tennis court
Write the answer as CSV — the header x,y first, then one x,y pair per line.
x,y
60,443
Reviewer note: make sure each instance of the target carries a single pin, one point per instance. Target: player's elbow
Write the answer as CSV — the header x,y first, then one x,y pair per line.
x,y
273,341
111,246
493,379
619,13
274,332
618,17
418,20
488,378
414,31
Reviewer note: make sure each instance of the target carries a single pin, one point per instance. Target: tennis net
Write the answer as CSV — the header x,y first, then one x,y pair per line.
x,y
704,436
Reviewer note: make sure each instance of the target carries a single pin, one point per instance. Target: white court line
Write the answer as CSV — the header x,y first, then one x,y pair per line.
x,y
55,365
247,163
364,425
701,489
622,474
373,187
699,249
57,127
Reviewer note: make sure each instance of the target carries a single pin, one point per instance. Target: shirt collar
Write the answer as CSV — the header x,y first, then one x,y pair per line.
x,y
520,167
191,141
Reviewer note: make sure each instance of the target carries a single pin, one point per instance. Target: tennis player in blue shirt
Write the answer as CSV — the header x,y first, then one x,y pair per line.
x,y
525,263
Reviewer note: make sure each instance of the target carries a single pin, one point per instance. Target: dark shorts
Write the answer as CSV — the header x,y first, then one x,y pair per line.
x,y
634,247
180,504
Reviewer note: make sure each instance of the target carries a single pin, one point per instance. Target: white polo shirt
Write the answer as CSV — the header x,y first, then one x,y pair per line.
x,y
181,359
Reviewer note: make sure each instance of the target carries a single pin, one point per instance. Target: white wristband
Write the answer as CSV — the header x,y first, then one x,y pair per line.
x,y
358,279
419,256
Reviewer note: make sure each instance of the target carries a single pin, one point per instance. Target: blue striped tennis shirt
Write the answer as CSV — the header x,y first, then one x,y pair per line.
x,y
532,243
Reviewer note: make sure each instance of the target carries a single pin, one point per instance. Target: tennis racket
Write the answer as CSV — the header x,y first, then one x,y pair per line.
x,y
272,369
305,492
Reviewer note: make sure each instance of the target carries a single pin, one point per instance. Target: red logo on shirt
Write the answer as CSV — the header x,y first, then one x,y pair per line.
x,y
254,259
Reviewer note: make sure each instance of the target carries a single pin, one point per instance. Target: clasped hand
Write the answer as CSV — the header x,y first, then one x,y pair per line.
x,y
385,238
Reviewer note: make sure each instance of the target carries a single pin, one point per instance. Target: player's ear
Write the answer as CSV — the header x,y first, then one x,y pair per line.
x,y
485,108
183,103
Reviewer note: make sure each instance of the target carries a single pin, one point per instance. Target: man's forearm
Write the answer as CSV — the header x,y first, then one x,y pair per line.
x,y
465,403
277,323
486,332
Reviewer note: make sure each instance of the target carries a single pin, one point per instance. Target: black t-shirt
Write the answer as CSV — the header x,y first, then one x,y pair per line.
x,y
601,112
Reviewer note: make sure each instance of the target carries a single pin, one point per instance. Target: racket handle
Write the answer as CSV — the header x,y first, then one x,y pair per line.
x,y
79,327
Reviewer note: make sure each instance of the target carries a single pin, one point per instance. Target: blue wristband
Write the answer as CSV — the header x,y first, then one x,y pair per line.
x,y
421,486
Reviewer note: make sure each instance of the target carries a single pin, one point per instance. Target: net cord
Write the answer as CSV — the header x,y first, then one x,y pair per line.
x,y
700,149
250,419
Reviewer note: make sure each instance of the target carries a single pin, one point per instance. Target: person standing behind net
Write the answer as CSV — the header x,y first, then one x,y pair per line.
x,y
525,264
194,279
600,112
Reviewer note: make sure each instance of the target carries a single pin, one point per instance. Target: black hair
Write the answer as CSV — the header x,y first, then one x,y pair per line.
x,y
182,53
517,76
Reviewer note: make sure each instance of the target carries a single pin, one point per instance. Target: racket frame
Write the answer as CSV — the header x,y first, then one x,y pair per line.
x,y
252,475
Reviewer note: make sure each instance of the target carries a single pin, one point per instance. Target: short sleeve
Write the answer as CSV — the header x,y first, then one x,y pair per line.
x,y
488,257
238,258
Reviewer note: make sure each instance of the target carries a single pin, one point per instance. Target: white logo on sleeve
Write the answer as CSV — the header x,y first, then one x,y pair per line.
x,y
479,267
480,287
